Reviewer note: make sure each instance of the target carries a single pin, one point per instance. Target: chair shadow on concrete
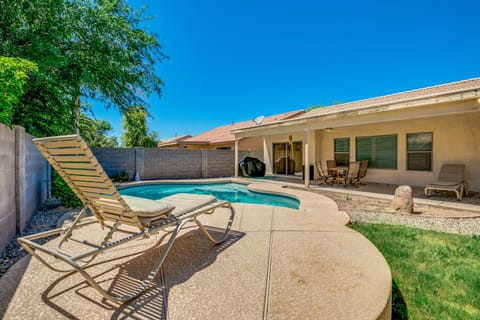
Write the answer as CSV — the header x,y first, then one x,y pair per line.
x,y
190,254
399,306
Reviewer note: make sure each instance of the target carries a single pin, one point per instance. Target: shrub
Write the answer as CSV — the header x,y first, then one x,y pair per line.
x,y
121,176
61,190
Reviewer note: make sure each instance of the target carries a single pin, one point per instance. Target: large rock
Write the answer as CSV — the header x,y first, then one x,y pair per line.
x,y
403,199
251,167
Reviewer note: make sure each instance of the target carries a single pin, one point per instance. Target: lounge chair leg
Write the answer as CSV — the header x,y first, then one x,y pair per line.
x,y
145,283
227,228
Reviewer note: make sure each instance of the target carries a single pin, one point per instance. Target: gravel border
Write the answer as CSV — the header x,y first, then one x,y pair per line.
x,y
42,220
463,226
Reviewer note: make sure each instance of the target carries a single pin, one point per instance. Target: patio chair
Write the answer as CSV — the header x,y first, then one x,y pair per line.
x,y
351,175
450,178
332,164
362,171
76,164
324,176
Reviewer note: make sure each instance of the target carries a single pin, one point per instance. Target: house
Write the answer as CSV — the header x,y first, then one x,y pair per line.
x,y
406,136
222,138
173,143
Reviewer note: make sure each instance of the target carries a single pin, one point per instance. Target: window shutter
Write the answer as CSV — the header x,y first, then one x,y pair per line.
x,y
341,150
380,151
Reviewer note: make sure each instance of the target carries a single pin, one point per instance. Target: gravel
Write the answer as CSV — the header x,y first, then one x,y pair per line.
x,y
465,226
44,219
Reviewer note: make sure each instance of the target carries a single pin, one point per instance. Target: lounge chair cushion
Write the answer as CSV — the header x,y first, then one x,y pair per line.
x,y
148,208
444,183
185,202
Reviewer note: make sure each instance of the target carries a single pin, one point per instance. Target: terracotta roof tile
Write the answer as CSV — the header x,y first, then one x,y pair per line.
x,y
222,134
405,96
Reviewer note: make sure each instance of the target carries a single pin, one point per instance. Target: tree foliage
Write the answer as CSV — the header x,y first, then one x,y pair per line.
x,y
135,129
84,49
13,76
95,131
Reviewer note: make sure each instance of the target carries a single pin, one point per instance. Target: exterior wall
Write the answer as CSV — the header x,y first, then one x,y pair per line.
x,y
114,160
253,144
7,185
32,178
153,164
23,181
456,139
172,164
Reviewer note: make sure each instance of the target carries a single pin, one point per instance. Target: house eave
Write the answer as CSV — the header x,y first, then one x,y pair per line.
x,y
323,121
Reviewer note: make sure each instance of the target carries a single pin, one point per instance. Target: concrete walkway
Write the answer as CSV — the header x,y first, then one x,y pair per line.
x,y
279,263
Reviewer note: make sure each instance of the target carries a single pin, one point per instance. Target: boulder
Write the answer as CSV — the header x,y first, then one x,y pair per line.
x,y
403,199
251,167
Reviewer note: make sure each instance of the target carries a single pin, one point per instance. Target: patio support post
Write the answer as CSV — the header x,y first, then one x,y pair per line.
x,y
306,156
236,157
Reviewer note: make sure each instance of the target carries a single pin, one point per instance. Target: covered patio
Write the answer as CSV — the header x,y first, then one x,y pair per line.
x,y
406,136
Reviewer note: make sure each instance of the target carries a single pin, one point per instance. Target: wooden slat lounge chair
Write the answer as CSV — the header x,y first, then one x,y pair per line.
x,y
450,178
77,165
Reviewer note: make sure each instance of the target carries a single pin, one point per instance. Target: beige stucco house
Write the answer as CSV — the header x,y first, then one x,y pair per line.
x,y
406,136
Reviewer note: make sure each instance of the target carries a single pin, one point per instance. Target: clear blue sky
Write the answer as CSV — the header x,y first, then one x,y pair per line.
x,y
235,60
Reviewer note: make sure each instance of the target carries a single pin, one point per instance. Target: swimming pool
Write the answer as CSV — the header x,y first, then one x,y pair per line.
x,y
233,192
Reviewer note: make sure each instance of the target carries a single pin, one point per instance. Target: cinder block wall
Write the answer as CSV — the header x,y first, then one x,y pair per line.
x,y
151,164
23,181
171,164
34,182
114,160
7,185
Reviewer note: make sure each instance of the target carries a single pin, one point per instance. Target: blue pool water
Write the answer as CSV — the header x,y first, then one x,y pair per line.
x,y
232,192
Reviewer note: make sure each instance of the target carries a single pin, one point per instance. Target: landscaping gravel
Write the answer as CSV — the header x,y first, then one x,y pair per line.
x,y
42,220
429,217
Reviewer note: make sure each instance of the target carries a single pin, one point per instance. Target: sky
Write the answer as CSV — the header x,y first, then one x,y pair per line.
x,y
231,61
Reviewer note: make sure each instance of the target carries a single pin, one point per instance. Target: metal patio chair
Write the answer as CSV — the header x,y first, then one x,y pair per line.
x,y
74,161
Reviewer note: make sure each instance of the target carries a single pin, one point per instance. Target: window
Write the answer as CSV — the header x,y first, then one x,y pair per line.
x,y
380,151
419,151
341,151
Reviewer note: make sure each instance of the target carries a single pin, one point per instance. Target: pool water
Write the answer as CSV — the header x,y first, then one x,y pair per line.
x,y
232,192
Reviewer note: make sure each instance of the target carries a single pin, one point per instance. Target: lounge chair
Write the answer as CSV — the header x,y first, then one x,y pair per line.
x,y
324,176
78,167
450,178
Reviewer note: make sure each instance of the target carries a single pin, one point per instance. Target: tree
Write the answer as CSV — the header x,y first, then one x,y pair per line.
x,y
94,132
136,132
84,49
313,107
13,76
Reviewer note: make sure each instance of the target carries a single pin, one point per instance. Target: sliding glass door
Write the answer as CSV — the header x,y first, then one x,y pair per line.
x,y
287,158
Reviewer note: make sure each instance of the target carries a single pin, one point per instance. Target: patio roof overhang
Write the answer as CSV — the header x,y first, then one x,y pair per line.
x,y
342,115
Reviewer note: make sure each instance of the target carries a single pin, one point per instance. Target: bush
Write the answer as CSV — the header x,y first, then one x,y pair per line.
x,y
61,190
121,176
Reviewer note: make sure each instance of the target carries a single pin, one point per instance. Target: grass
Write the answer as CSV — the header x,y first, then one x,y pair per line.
x,y
435,275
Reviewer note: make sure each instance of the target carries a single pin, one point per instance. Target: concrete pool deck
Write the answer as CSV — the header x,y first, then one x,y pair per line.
x,y
278,263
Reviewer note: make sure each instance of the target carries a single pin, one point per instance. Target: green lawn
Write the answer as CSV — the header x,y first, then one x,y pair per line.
x,y
435,275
